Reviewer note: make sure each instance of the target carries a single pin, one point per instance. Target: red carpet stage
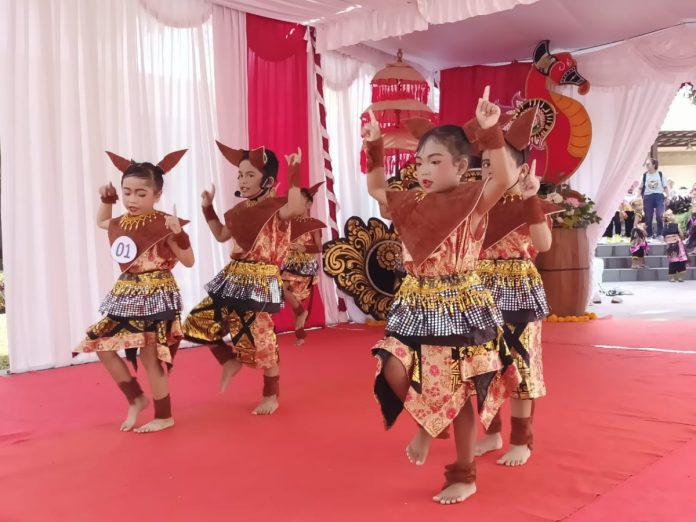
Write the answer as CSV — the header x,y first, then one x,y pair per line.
x,y
615,440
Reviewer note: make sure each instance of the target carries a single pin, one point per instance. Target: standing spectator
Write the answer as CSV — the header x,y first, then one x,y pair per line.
x,y
653,189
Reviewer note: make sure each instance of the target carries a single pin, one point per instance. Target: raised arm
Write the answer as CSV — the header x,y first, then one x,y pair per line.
x,y
220,231
374,150
539,229
108,196
179,241
295,205
490,137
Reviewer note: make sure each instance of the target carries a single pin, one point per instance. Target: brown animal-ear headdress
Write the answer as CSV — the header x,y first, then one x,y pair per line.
x,y
257,157
518,128
418,126
165,165
314,188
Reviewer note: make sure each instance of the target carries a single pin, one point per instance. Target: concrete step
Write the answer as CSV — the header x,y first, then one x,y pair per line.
x,y
626,262
656,249
616,275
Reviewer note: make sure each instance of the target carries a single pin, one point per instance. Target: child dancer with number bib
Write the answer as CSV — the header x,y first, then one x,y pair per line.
x,y
244,294
142,310
441,334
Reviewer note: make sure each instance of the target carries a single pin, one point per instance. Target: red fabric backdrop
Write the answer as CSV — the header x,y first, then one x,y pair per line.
x,y
460,88
278,110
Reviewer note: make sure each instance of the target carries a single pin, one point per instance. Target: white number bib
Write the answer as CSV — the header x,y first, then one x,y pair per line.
x,y
123,250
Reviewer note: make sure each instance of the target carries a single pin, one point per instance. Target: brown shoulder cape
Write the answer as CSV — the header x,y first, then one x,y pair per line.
x,y
504,218
301,226
145,236
425,220
246,222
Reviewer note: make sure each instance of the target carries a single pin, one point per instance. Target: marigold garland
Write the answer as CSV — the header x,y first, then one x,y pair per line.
x,y
588,316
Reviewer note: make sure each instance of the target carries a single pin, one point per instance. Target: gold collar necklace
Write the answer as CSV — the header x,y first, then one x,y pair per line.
x,y
129,222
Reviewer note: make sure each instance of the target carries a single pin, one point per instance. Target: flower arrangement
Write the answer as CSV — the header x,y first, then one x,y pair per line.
x,y
578,209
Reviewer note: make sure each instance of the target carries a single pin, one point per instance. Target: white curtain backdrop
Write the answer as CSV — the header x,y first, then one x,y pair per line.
x,y
81,77
347,93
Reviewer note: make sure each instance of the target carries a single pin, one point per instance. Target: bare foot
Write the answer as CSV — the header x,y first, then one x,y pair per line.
x,y
299,342
417,450
300,320
267,406
456,493
156,425
516,456
489,442
229,370
133,411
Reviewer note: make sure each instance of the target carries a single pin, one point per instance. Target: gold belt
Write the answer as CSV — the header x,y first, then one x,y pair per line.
x,y
456,292
145,283
249,269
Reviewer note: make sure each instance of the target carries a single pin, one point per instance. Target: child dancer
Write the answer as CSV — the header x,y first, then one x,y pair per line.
x,y
301,265
518,229
242,297
691,230
443,325
675,250
639,245
142,310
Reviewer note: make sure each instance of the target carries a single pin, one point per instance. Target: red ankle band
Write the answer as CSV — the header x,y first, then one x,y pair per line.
x,y
521,431
270,385
458,473
163,408
222,353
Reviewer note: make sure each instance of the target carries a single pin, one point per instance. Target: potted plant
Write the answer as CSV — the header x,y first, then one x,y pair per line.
x,y
565,268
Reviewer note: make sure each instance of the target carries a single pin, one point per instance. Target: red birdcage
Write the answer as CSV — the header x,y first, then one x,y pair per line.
x,y
399,93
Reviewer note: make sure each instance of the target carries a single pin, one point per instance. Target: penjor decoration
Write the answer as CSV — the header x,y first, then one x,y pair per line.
x,y
399,93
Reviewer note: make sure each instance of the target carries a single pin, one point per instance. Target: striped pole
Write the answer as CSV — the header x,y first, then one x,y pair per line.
x,y
328,171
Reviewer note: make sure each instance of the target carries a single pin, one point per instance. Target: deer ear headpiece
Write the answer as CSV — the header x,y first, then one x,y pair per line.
x,y
519,128
418,126
165,165
257,157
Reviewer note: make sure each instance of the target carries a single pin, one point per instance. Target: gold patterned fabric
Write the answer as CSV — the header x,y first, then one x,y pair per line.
x,y
443,327
300,268
112,334
241,298
252,337
141,311
530,368
244,285
443,378
516,287
143,295
443,298
271,244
